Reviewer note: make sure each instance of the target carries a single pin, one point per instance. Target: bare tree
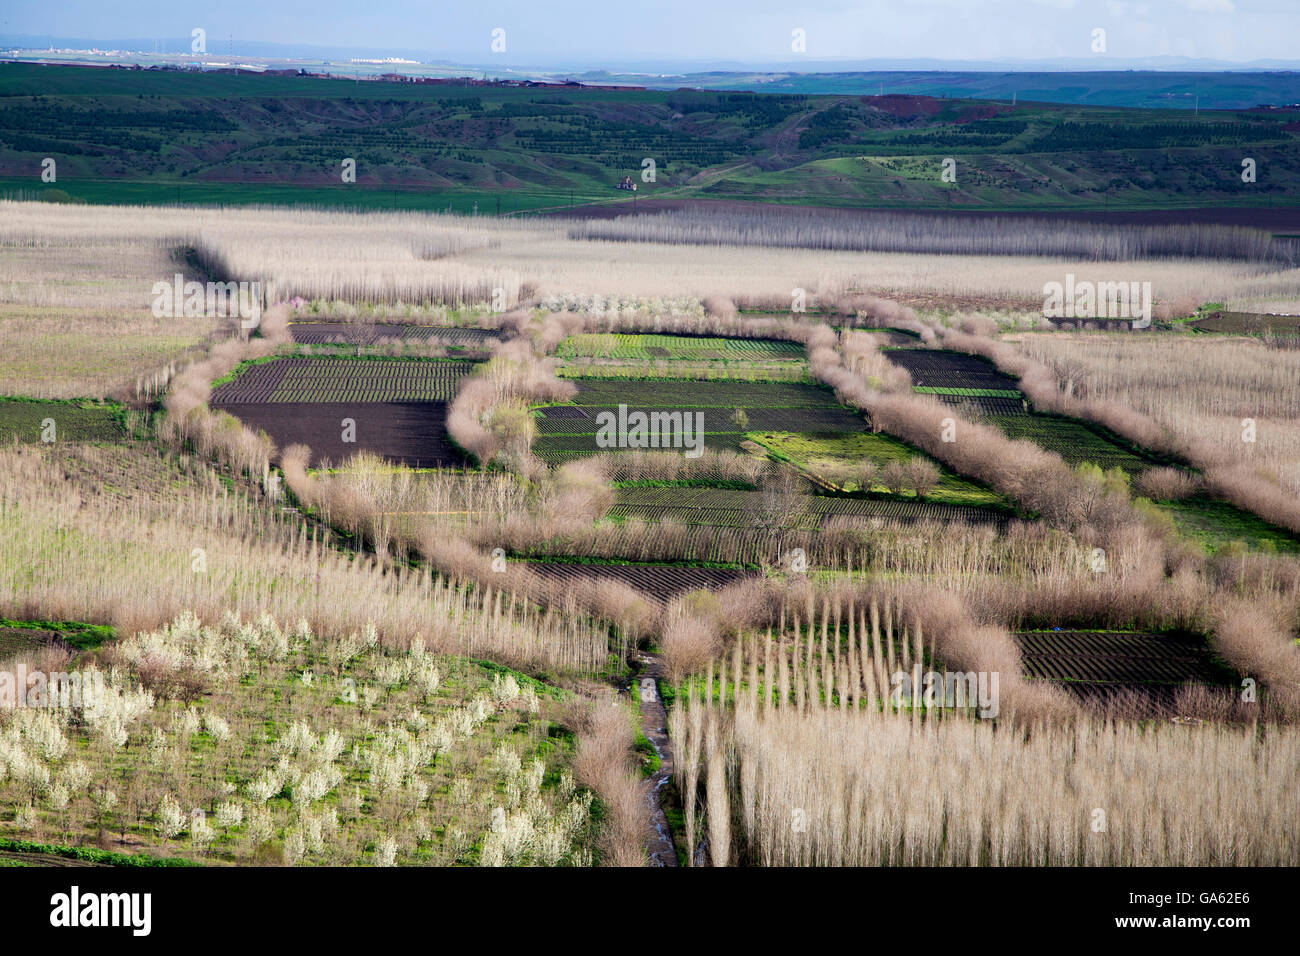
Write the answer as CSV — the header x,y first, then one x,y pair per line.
x,y
868,473
779,501
895,477
924,475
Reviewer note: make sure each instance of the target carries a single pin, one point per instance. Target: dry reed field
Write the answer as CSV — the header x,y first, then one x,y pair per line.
x,y
821,744
141,562
933,234
836,788
382,258
75,319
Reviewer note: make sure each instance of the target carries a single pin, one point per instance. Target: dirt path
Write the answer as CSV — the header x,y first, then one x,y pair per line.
x,y
654,724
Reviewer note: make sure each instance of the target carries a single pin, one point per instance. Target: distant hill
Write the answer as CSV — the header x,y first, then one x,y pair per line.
x,y
123,135
1146,89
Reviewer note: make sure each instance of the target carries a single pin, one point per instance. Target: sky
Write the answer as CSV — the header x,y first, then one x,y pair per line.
x,y
616,33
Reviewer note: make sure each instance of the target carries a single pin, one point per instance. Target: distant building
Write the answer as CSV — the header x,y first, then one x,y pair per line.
x,y
626,183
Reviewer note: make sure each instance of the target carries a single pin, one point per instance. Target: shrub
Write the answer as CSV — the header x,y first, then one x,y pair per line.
x,y
924,475
1167,484
896,476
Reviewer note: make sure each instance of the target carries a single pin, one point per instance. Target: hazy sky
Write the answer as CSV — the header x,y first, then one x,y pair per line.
x,y
752,31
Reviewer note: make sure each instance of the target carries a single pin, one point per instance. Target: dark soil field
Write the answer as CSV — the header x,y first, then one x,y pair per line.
x,y
582,420
934,368
359,333
1249,323
343,380
984,406
1107,666
409,433
710,394
661,581
556,449
19,640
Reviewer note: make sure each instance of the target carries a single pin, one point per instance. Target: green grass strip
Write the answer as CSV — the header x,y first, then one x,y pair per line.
x,y
91,855
966,392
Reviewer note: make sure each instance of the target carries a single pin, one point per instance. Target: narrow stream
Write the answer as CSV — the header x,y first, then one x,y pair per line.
x,y
654,724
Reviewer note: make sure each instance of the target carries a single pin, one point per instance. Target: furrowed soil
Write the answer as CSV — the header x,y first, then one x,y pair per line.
x,y
1109,666
362,333
1249,323
660,581
303,379
408,433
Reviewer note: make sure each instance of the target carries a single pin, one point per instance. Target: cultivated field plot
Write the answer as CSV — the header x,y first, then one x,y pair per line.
x,y
556,449
1096,664
343,380
725,507
981,406
359,333
569,431
1249,323
1211,523
718,394
657,580
935,368
1075,441
60,421
644,347
837,457
974,384
24,640
967,382
580,420
680,370
408,433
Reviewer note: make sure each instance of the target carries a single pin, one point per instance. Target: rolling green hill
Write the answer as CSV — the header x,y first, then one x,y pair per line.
x,y
121,135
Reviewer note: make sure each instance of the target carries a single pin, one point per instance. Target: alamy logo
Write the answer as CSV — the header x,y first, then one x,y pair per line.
x,y
73,909
651,430
1098,300
179,299
23,688
963,690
